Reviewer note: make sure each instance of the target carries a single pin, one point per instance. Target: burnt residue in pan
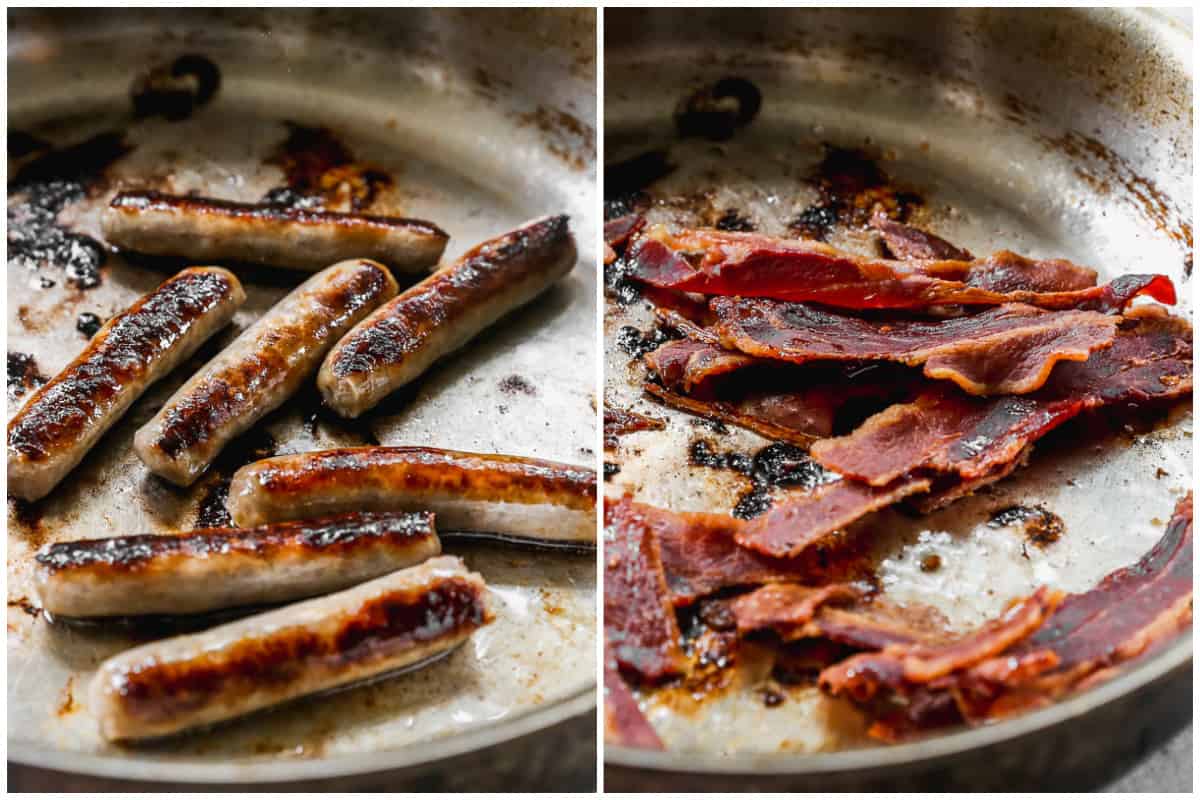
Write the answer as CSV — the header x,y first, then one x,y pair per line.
x,y
516,384
637,344
851,188
23,374
1041,526
26,606
610,469
318,417
733,220
322,173
88,324
775,466
40,190
253,446
28,516
715,112
174,91
626,182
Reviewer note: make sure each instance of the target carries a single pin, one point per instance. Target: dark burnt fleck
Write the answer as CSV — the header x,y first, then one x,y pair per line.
x,y
515,384
702,453
637,344
23,375
28,516
1160,473
714,425
716,112
40,190
1041,526
88,323
175,90
610,469
322,173
731,220
775,466
852,187
625,182
212,511
1187,266
931,562
26,606
618,285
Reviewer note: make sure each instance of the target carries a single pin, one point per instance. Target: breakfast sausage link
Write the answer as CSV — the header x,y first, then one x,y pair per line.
x,y
63,419
397,621
260,370
216,568
202,228
526,498
443,312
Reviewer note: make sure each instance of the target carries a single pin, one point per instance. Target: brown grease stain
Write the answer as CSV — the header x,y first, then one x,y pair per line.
x,y
322,173
852,188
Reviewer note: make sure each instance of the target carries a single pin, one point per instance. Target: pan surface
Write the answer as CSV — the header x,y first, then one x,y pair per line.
x,y
475,120
1050,133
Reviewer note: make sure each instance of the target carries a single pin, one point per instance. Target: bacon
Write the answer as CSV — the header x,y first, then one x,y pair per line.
x,y
624,723
908,243
809,518
1009,349
619,421
944,432
1040,649
617,232
752,265
786,606
639,620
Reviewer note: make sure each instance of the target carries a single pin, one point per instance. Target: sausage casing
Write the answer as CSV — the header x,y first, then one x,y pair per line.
x,y
216,568
63,419
443,312
526,498
377,627
261,369
201,228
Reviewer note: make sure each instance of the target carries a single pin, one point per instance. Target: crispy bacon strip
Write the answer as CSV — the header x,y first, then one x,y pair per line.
x,y
752,265
1008,349
944,432
789,605
639,621
619,421
624,723
913,244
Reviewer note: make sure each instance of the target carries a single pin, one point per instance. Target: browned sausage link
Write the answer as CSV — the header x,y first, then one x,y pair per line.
x,y
217,568
520,497
63,419
398,621
443,312
260,370
201,228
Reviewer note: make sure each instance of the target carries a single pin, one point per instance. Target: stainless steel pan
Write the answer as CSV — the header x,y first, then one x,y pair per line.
x,y
1049,132
481,119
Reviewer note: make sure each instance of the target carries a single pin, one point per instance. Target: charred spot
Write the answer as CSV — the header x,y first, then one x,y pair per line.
x,y
174,91
1041,526
212,511
731,220
637,344
619,285
815,222
28,515
852,188
775,466
702,453
715,112
26,607
714,425
610,469
625,182
515,384
322,173
23,374
88,324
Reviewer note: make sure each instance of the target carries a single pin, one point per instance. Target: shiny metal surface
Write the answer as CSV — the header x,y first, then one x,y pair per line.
x,y
483,119
1050,132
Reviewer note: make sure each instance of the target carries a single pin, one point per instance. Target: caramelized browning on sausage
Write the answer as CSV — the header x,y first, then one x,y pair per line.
x,y
395,621
208,229
443,312
216,568
521,497
64,418
260,370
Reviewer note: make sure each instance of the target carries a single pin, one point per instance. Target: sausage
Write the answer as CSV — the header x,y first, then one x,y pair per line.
x,y
260,370
526,498
400,620
64,418
443,312
202,228
216,568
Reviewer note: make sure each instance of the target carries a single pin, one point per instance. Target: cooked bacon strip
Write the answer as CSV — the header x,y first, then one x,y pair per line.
x,y
806,519
874,626
624,723
638,618
913,244
1009,349
752,265
619,421
618,232
776,400
789,605
1042,648
948,433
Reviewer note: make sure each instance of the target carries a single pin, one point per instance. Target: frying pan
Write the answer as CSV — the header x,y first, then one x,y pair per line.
x,y
1050,132
478,120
